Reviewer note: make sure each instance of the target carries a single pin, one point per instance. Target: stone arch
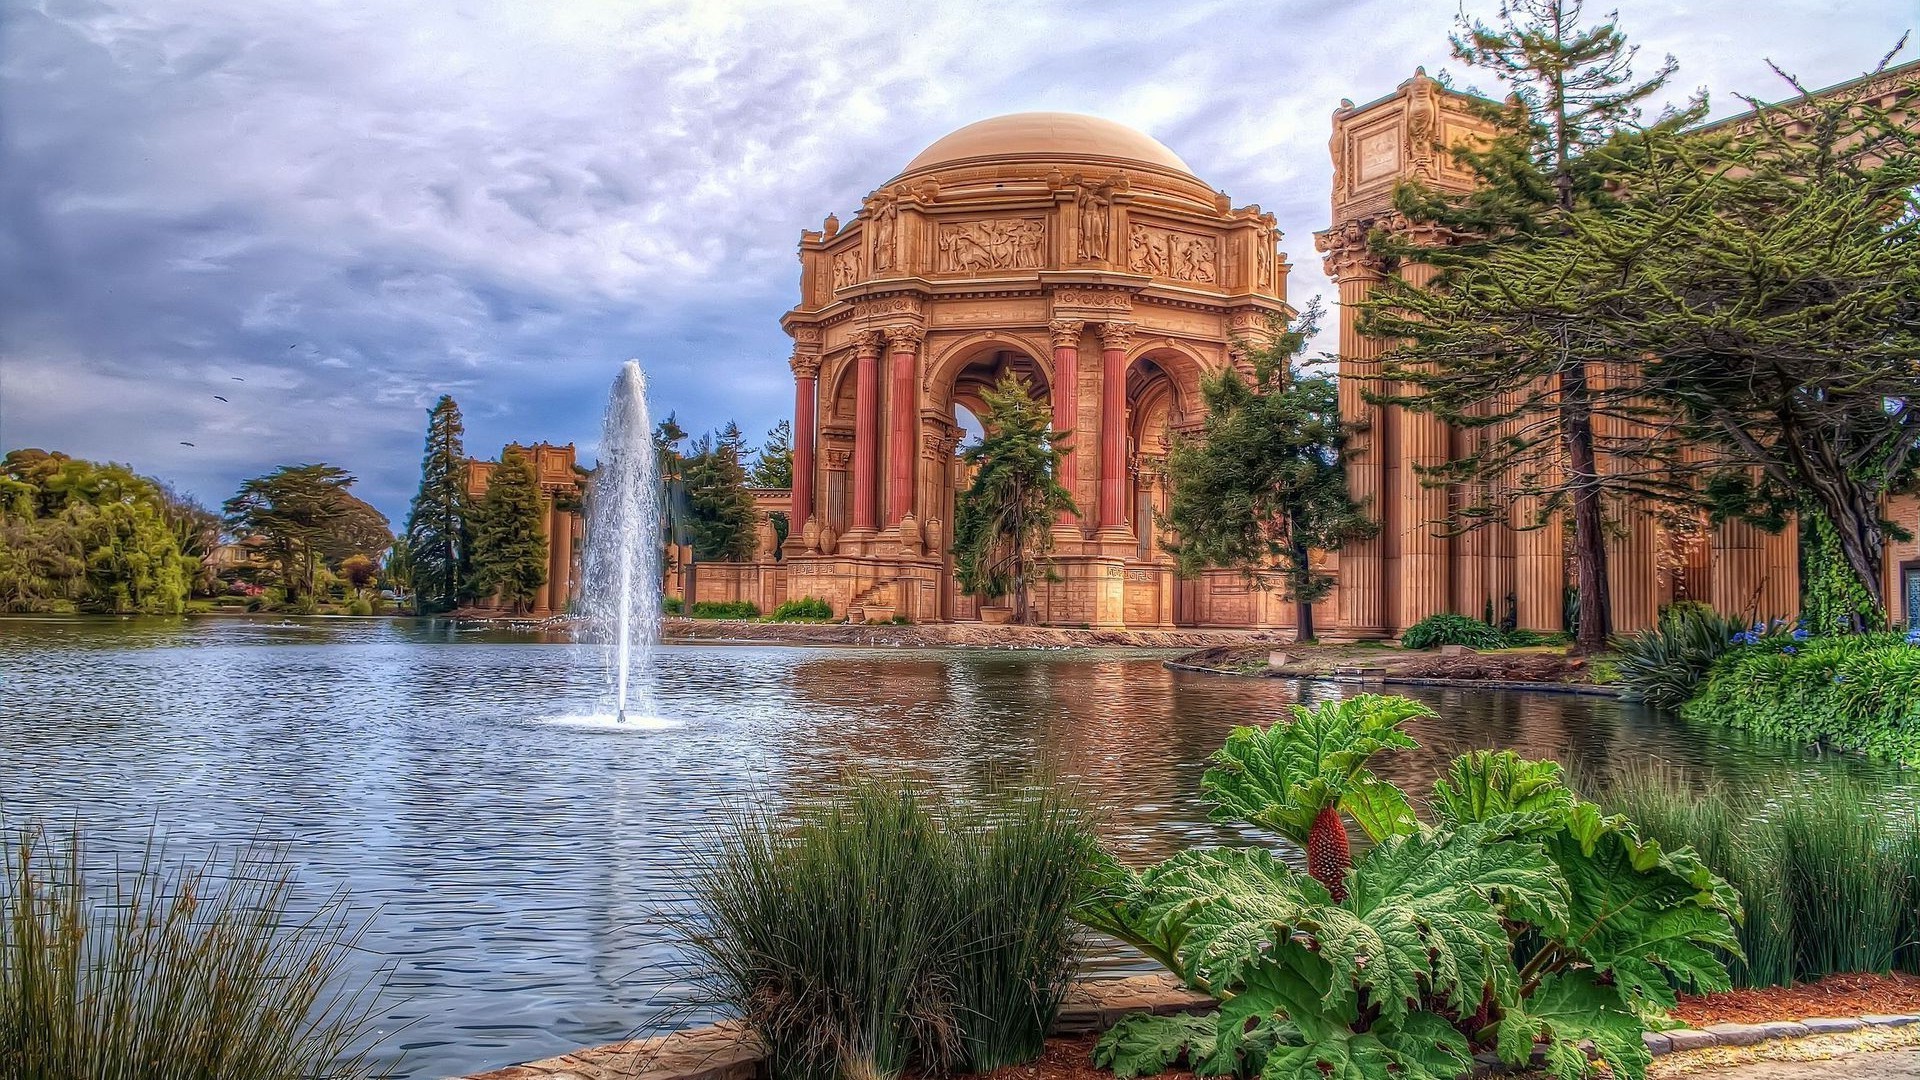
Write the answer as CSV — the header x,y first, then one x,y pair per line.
x,y
944,370
1184,366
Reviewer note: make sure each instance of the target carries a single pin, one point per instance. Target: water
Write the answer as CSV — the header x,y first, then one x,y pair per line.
x,y
620,581
515,853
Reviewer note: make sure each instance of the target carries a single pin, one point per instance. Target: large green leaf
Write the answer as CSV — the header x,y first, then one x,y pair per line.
x,y
1281,777
1143,1044
1647,916
1426,1048
1503,791
1566,1009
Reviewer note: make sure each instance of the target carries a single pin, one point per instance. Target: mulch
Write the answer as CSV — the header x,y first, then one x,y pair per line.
x,y
1833,996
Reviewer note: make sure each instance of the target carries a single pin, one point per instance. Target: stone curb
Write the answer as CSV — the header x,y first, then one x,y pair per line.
x,y
728,1051
1584,689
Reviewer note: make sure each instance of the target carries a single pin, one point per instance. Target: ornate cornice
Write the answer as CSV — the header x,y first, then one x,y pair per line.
x,y
1066,332
1116,335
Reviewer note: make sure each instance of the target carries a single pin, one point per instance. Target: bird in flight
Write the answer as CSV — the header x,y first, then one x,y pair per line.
x,y
236,378
217,397
183,442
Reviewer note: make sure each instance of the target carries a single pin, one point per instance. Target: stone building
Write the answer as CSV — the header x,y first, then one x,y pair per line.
x,y
562,492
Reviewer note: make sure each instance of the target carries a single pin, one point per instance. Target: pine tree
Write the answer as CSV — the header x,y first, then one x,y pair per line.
x,y
1522,366
1003,522
773,466
1264,486
509,545
300,513
722,513
436,524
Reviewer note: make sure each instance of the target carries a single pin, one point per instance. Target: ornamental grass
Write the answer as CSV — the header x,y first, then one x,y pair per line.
x,y
173,971
878,932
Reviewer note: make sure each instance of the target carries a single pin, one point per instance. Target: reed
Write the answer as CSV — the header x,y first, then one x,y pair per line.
x,y
173,971
1845,878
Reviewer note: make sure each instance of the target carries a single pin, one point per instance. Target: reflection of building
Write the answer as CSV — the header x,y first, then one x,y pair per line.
x,y
562,489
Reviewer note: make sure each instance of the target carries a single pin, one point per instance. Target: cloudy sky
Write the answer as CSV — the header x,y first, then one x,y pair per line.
x,y
329,213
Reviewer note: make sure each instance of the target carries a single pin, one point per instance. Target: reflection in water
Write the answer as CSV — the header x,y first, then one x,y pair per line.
x,y
515,863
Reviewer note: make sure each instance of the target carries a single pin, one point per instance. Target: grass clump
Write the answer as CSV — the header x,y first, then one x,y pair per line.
x,y
1663,666
805,609
172,971
878,932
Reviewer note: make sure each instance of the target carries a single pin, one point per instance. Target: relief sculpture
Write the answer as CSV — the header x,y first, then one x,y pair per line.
x,y
1169,254
993,244
846,268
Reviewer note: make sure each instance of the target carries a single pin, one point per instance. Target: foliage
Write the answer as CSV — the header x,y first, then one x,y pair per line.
x,y
1833,598
773,465
305,517
725,609
721,512
876,932
437,528
1263,486
1852,693
1448,629
1003,522
672,605
79,535
172,971
805,609
359,572
1520,914
1663,666
509,542
1829,874
1498,345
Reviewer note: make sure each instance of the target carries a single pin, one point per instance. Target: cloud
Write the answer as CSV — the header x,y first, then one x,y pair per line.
x,y
356,208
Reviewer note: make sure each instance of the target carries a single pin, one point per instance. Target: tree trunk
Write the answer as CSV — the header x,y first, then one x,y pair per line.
x,y
1589,537
1303,621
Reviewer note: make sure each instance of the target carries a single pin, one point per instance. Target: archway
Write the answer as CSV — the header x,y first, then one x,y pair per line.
x,y
957,419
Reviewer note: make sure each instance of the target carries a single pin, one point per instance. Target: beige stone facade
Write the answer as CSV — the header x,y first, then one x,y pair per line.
x,y
562,489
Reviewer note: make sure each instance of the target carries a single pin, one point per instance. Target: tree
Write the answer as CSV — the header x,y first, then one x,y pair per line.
x,y
1264,486
360,573
81,535
303,515
773,468
1508,356
436,524
1003,522
196,529
722,514
509,546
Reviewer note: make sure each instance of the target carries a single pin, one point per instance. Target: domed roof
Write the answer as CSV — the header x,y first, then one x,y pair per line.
x,y
1047,136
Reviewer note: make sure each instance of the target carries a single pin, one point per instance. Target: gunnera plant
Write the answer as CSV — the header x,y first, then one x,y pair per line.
x,y
1663,666
1437,630
877,932
174,970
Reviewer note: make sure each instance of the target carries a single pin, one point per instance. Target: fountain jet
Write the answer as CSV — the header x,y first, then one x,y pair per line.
x,y
620,587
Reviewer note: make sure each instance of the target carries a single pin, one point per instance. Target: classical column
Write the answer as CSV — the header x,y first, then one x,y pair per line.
x,y
1066,399
806,375
543,600
560,555
903,419
1362,593
1114,339
1425,563
866,429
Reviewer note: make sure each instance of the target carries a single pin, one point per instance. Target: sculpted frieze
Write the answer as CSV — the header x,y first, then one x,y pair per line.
x,y
1109,299
992,244
1168,253
846,268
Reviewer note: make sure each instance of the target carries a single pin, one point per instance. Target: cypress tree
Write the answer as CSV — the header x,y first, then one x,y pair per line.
x,y
722,510
509,545
436,523
1003,522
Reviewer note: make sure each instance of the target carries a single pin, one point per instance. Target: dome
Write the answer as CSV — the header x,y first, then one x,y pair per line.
x,y
1048,136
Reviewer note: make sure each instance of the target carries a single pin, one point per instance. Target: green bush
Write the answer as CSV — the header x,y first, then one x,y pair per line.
x,y
725,609
805,609
359,605
1663,666
876,933
1437,630
1520,914
1829,875
1852,693
672,605
173,971
199,607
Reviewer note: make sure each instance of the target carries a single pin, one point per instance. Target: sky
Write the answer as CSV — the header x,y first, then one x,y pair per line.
x,y
330,213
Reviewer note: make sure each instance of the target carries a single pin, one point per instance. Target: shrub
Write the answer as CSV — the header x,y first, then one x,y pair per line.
x,y
1437,630
359,605
1522,913
172,971
805,609
199,607
725,609
876,932
673,605
1852,693
1663,666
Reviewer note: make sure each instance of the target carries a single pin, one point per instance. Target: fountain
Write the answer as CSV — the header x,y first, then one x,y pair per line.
x,y
620,586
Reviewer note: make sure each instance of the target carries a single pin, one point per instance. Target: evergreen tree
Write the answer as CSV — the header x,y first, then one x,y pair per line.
x,y
773,468
1264,486
1509,356
436,524
509,545
301,513
722,514
1003,522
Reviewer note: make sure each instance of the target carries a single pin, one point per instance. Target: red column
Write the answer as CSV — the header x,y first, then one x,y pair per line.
x,y
1066,400
903,428
1114,339
806,374
866,428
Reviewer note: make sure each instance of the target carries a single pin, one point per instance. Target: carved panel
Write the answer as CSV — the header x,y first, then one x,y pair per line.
x,y
1169,253
889,305
1379,155
1107,299
968,247
846,268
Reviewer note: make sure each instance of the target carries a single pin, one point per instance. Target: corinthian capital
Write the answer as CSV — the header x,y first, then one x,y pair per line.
x,y
905,338
1066,332
1116,335
866,343
805,365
